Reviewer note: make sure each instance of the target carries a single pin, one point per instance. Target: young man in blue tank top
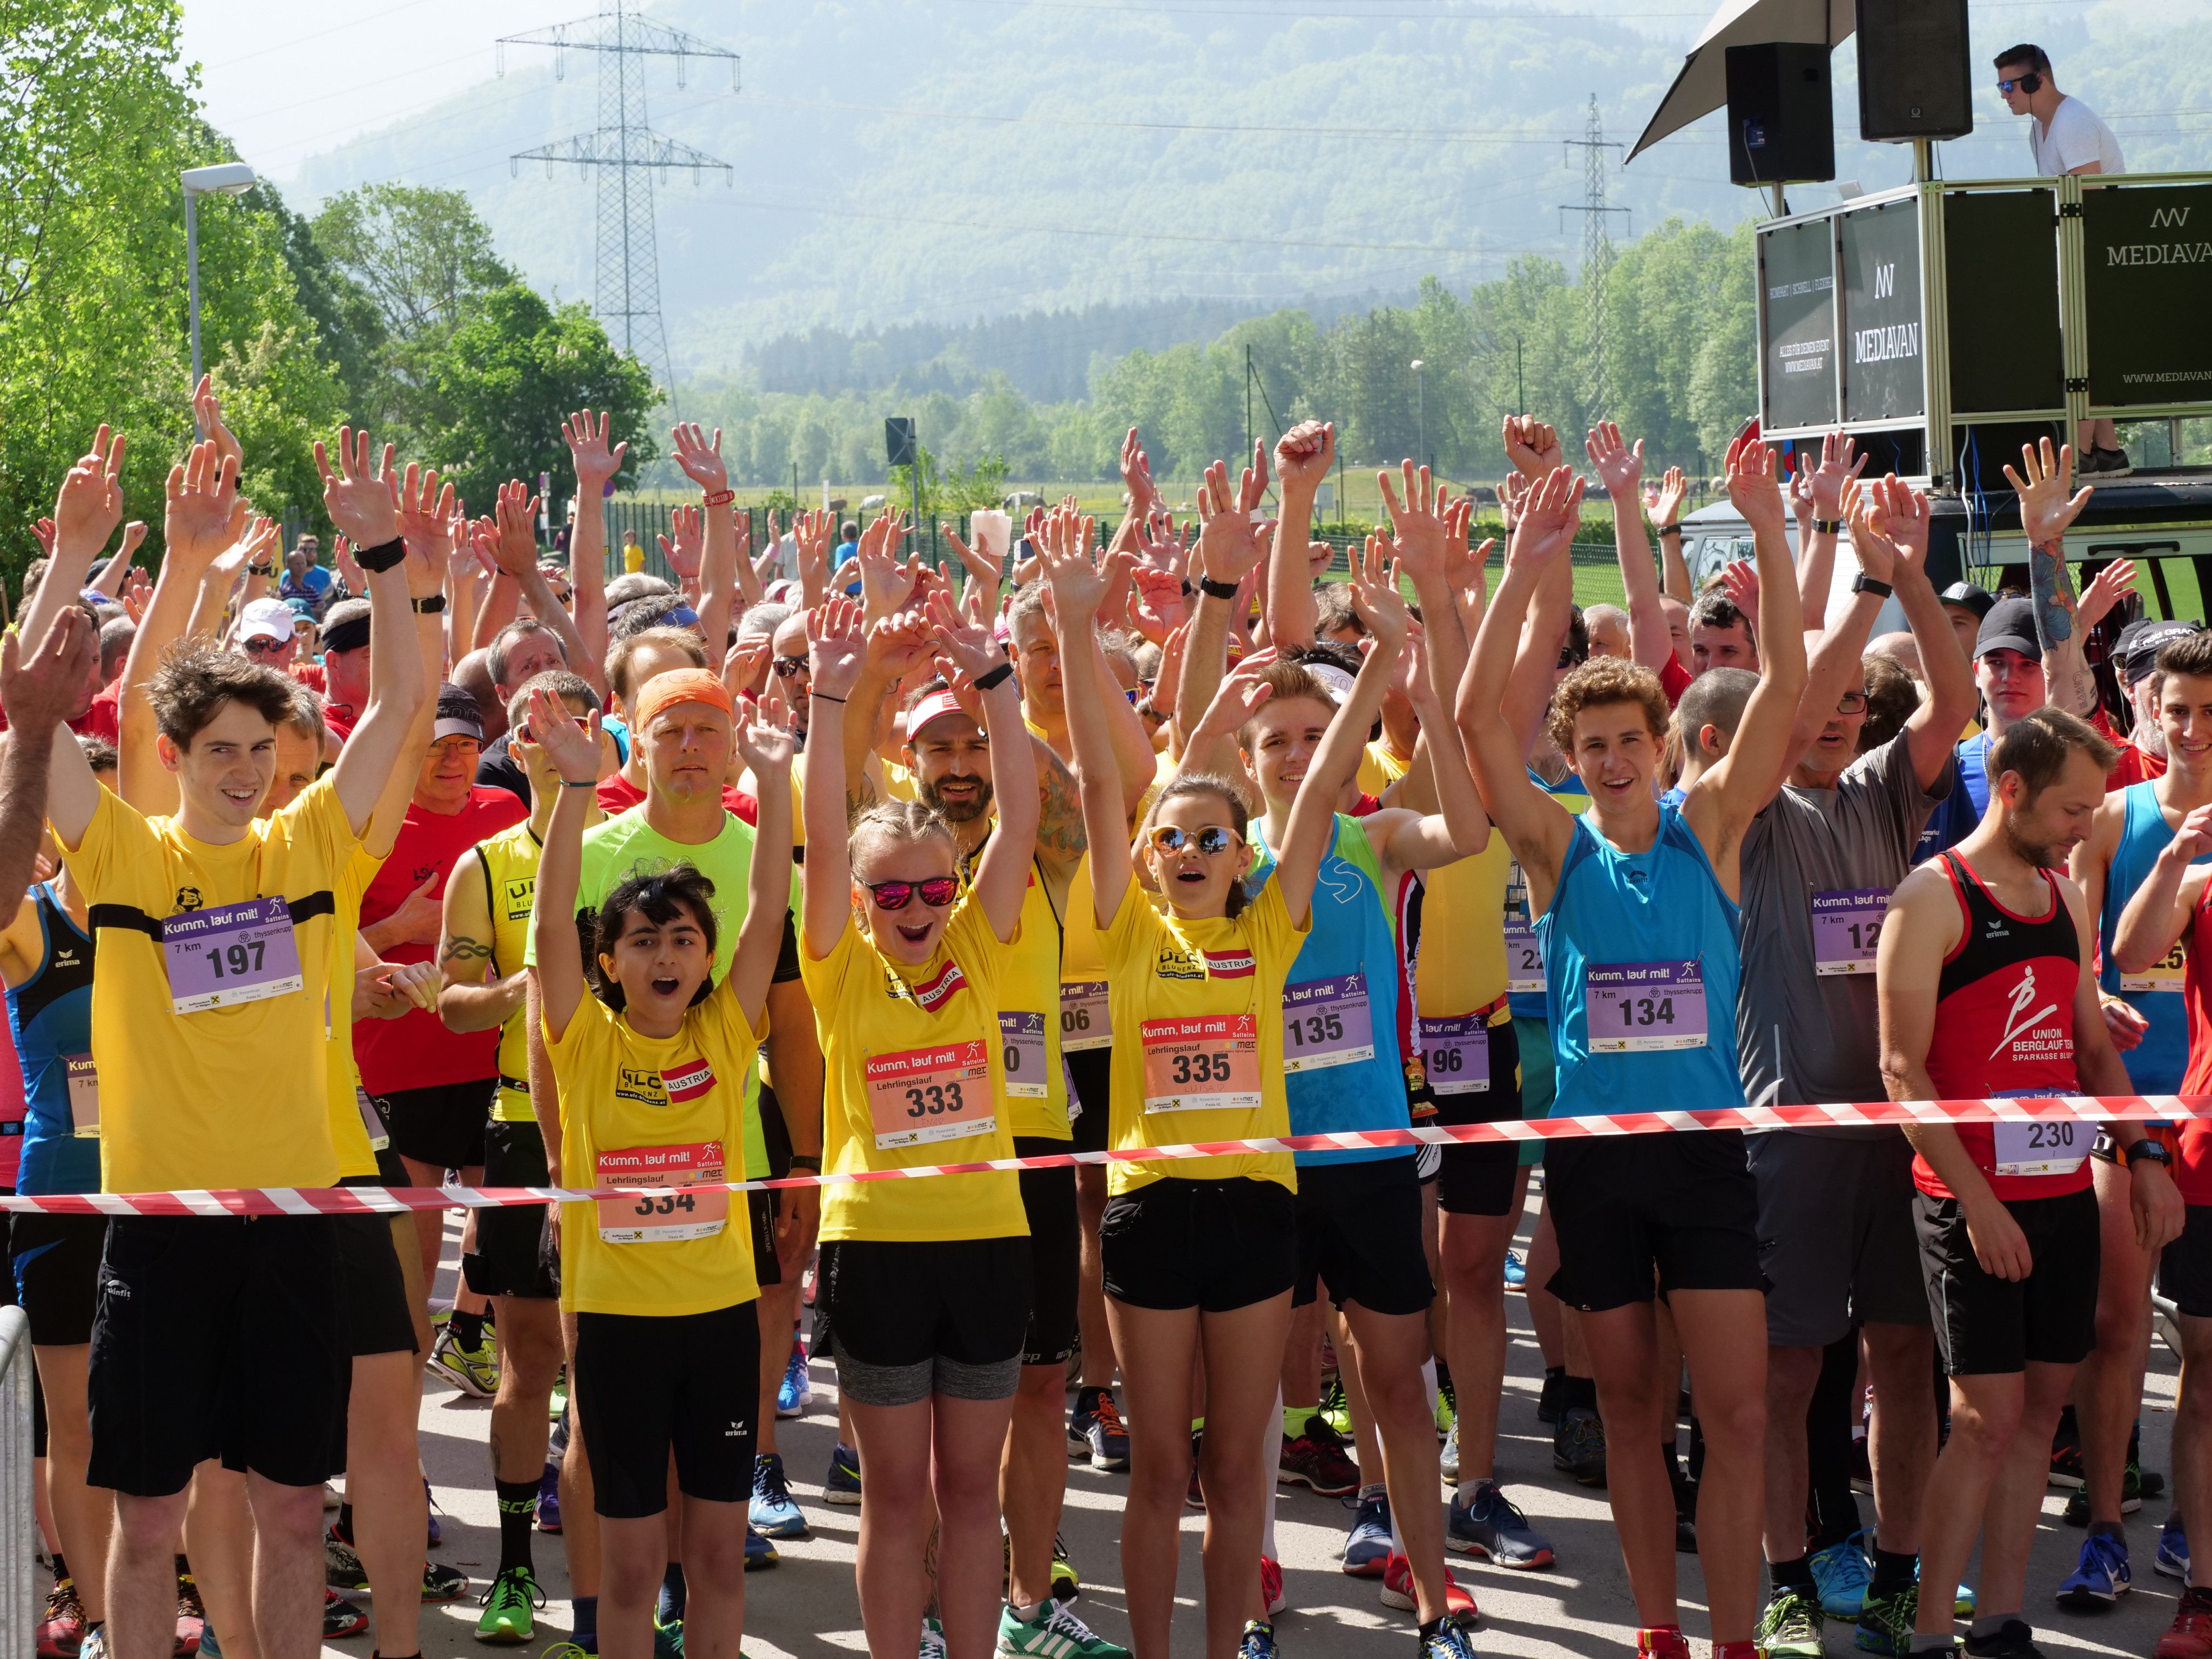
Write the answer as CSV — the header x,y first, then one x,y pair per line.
x,y
1636,906
2147,1015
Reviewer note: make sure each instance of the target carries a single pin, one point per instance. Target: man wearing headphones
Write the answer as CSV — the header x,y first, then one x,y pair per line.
x,y
2065,137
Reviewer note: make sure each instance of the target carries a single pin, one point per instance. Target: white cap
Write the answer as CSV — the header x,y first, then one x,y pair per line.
x,y
265,619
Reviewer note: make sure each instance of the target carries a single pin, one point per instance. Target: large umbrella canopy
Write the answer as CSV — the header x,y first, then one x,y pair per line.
x,y
1702,87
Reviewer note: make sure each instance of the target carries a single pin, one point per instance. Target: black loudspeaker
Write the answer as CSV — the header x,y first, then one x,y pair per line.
x,y
898,441
1780,114
1913,74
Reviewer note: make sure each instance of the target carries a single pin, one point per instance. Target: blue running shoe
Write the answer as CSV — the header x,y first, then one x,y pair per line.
x,y
1450,1640
841,1486
1493,1526
2103,1576
759,1553
1516,1270
2172,1557
1841,1575
774,1513
796,1392
1258,1641
548,1499
1367,1547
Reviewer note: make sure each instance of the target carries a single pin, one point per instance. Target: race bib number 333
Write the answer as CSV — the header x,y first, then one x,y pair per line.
x,y
938,1093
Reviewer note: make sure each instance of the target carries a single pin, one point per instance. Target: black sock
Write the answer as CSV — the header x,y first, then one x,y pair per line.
x,y
518,1510
2069,1430
468,1330
1086,1399
1443,1377
586,1634
1428,1629
1578,1391
61,1567
1791,1574
1553,1373
1893,1570
345,1522
671,1608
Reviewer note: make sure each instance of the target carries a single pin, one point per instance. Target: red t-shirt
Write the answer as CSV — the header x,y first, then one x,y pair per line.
x,y
104,720
417,1051
2192,1161
1674,678
310,674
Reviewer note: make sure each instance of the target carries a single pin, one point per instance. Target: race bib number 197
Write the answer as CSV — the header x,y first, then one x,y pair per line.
x,y
229,954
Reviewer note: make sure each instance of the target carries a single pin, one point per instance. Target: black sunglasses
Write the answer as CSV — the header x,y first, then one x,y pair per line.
x,y
789,667
937,892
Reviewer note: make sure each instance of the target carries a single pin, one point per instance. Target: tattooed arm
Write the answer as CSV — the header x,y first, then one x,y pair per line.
x,y
466,1001
2045,511
1061,839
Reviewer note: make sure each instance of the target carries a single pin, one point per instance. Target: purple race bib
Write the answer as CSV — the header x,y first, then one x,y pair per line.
x,y
229,954
1326,1022
1524,957
1641,1006
1022,1035
1456,1055
1084,1021
84,1095
1846,927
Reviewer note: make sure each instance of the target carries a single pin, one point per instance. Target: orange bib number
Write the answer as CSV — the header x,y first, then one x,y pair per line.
x,y
941,1093
1208,1064
662,1218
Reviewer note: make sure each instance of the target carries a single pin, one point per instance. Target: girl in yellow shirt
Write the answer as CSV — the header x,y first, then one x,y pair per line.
x,y
1199,1255
925,1284
653,1081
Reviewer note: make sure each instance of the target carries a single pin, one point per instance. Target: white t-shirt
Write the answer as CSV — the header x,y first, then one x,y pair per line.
x,y
2075,138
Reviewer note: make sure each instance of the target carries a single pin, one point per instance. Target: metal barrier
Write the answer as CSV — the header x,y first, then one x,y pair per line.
x,y
19,1606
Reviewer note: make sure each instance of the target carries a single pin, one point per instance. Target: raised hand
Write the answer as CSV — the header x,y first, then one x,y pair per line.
x,y
2046,509
1375,599
1137,476
1463,566
594,462
814,533
887,585
1078,586
983,569
700,457
1868,510
1753,487
1304,454
89,503
1160,605
2099,598
515,550
1905,524
350,574
1618,468
573,749
357,496
206,415
897,645
42,686
1532,446
2191,841
135,593
1227,540
1235,699
834,648
1417,525
203,516
1740,582
689,545
1551,513
1836,469
426,513
766,749
1674,491
962,641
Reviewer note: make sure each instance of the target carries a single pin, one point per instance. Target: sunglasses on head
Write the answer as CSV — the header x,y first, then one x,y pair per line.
x,y
789,667
937,892
1210,840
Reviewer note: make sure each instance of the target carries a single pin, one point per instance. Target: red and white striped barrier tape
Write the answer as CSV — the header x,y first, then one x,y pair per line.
x,y
393,1201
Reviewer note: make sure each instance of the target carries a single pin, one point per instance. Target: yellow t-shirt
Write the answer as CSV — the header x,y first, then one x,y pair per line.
x,y
349,1128
912,1056
1462,965
235,1094
1028,1020
1197,1007
507,864
1379,768
646,1111
899,782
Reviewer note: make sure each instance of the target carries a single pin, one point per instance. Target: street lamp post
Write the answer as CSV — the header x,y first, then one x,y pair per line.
x,y
231,179
1421,405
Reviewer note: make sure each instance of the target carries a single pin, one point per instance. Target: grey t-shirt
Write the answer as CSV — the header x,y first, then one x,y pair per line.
x,y
1804,1036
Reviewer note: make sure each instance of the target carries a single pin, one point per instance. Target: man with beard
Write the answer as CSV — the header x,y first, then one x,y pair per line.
x,y
949,757
1982,990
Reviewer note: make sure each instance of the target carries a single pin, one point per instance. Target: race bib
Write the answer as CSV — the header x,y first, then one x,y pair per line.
x,y
1084,1021
941,1093
371,1120
1456,1055
1640,1006
1207,1064
1022,1035
1326,1022
84,1095
663,1218
1846,927
1524,957
230,954
2048,1147
2169,973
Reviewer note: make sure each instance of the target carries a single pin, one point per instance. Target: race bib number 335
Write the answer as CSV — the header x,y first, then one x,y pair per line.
x,y
1208,1063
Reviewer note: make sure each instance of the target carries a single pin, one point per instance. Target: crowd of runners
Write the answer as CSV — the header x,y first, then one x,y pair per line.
x,y
456,862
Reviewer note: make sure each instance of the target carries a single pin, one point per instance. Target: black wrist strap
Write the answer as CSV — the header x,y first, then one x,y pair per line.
x,y
1670,530
1828,526
1214,590
429,607
1863,583
997,678
806,1161
382,556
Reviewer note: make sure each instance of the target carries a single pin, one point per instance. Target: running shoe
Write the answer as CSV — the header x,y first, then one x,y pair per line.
x,y
1448,1640
1841,1576
796,1392
1516,1270
841,1486
1578,1445
191,1616
95,1644
668,1639
773,1511
2076,1513
333,1498
1317,1459
1447,1404
1669,1644
2102,1578
430,1501
1271,1585
61,1633
2172,1557
1336,1406
557,1402
933,1639
2015,1640
806,1282
209,1648
508,1607
2189,1636
1398,1592
1196,1495
1447,1457
1095,1427
1367,1547
474,1371
1548,1397
759,1553
1055,1633
342,1567
1066,1583
1789,1623
1493,1526
442,1584
1886,1622
2066,1452
548,1499
1258,1641
341,1618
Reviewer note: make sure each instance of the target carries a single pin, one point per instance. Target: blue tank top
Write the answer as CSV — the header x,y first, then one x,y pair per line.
x,y
51,1015
1344,1066
1633,943
1959,814
2156,1064
1521,948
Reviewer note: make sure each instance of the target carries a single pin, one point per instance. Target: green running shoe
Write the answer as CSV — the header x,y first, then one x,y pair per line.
x,y
507,1606
1055,1633
1790,1625
1886,1622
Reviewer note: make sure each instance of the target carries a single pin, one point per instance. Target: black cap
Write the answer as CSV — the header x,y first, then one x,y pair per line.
x,y
2009,625
2140,641
459,715
345,627
1976,599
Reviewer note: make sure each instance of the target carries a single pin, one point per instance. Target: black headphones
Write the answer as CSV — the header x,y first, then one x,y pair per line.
x,y
2031,83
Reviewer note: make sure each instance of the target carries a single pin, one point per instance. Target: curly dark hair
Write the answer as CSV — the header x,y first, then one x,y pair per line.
x,y
661,897
1603,680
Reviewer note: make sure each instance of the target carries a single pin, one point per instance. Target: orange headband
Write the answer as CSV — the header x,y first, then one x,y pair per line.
x,y
681,685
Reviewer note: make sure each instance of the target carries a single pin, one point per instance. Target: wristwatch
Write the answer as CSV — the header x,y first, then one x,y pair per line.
x,y
1863,583
2148,1151
429,607
1214,590
1670,530
261,570
1828,526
